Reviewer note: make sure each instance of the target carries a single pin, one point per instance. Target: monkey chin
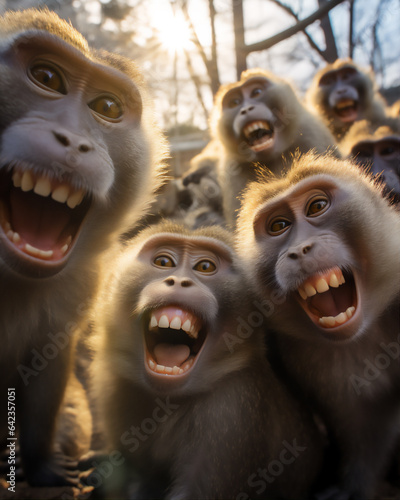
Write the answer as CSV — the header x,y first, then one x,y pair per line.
x,y
40,221
174,338
331,300
346,110
259,135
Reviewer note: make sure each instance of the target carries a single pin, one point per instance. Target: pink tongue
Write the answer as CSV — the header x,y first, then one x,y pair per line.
x,y
171,355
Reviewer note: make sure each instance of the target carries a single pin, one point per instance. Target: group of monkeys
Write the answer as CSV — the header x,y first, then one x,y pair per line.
x,y
249,354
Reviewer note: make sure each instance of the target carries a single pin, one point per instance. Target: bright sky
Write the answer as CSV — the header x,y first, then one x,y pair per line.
x,y
263,19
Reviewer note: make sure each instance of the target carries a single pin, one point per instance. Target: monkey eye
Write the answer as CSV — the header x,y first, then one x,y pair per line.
x,y
164,261
205,266
278,226
387,151
234,102
107,107
327,79
48,78
256,92
317,206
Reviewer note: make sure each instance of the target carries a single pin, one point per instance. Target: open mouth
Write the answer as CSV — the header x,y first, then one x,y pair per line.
x,y
41,217
173,341
259,135
329,299
346,110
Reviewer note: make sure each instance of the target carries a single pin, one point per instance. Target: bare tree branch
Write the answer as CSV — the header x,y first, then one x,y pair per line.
x,y
212,70
300,26
196,80
292,13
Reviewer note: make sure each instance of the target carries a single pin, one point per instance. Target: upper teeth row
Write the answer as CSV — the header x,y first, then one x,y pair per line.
x,y
42,186
175,324
322,285
255,126
344,104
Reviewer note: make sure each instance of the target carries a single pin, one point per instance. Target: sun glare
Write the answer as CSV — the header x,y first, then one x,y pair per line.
x,y
173,31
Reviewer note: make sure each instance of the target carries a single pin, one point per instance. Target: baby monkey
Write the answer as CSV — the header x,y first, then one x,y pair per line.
x,y
186,394
326,241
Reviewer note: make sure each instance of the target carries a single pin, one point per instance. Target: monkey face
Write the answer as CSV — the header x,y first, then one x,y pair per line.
x,y
61,152
311,243
382,159
181,290
342,94
255,117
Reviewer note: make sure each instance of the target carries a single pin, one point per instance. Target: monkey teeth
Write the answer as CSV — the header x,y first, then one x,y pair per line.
x,y
320,284
328,293
172,341
259,135
345,104
346,110
168,370
175,323
331,321
254,126
42,186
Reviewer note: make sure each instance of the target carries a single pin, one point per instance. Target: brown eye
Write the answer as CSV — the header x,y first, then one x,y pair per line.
x,y
205,266
107,107
278,226
234,102
164,261
256,92
317,206
48,78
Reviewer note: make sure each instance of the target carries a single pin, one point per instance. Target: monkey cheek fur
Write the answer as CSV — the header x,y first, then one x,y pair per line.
x,y
332,301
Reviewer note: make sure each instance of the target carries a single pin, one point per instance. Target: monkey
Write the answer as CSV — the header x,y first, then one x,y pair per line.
x,y
261,121
187,399
326,243
376,148
342,93
80,155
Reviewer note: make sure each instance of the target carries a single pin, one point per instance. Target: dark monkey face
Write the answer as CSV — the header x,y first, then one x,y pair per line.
x,y
179,296
68,118
382,159
342,94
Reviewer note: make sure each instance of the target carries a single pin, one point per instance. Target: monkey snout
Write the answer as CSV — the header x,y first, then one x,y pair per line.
x,y
246,109
68,139
300,250
177,281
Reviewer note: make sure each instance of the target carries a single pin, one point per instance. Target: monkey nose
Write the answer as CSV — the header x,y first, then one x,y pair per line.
x,y
246,109
175,280
68,139
302,249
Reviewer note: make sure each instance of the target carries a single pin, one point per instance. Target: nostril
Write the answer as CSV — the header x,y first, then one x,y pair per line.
x,y
61,138
169,281
83,148
186,283
306,249
293,255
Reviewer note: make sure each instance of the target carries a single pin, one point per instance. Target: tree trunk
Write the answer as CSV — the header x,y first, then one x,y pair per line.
x,y
238,26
